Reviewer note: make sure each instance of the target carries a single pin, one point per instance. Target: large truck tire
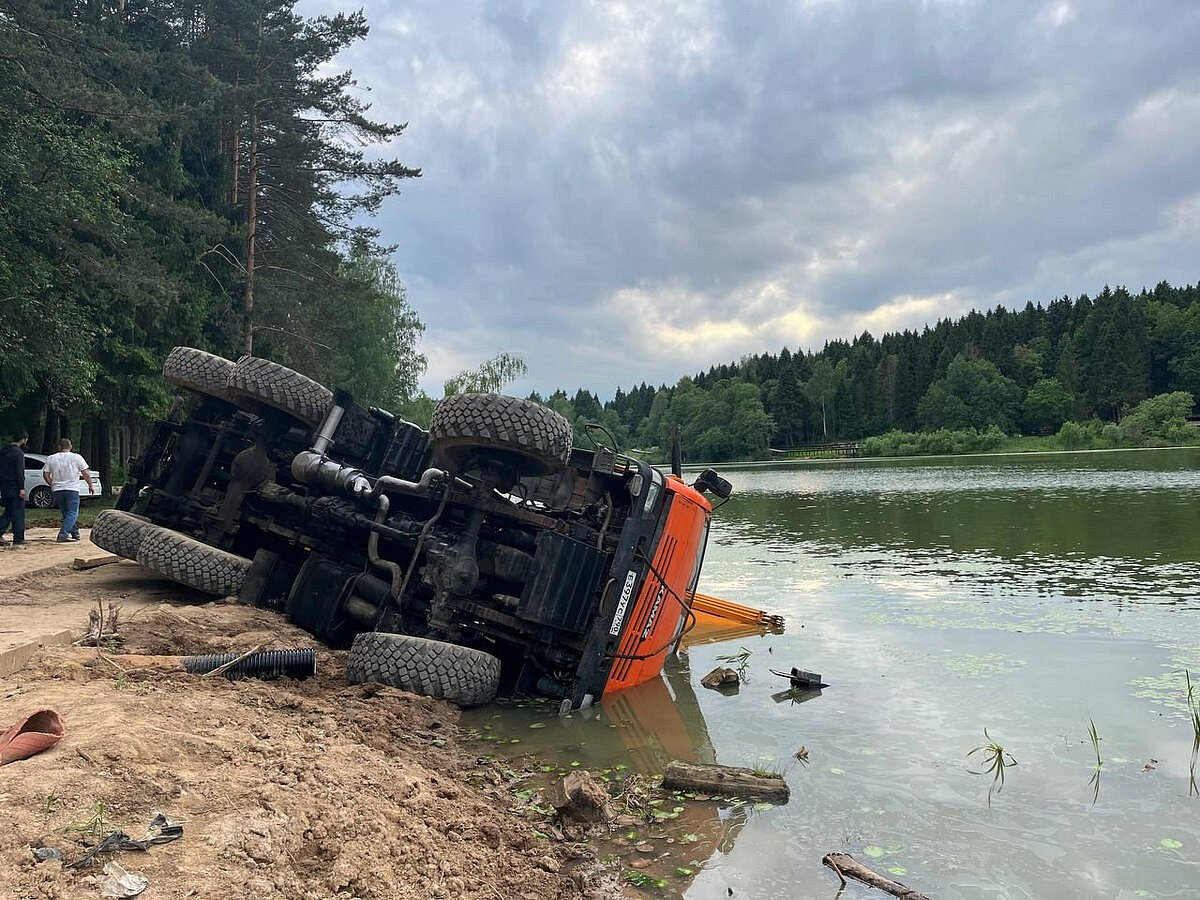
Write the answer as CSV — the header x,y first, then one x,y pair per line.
x,y
119,532
192,563
534,436
269,384
196,370
462,675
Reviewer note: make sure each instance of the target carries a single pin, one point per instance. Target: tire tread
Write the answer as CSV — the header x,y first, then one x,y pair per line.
x,y
462,675
191,562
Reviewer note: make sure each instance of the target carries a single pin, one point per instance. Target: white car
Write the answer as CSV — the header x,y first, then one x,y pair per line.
x,y
37,492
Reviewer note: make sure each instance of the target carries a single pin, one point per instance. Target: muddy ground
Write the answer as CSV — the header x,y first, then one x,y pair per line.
x,y
287,789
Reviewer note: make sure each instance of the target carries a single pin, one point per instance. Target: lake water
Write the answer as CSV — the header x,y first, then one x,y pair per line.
x,y
1026,595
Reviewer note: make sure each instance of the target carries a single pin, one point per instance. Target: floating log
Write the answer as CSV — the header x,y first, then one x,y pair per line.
x,y
846,866
726,781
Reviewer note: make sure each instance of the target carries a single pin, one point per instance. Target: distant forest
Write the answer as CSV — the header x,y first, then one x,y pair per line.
x,y
1090,360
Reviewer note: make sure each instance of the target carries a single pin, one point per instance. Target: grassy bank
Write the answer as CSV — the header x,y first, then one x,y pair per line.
x,y
1157,422
52,518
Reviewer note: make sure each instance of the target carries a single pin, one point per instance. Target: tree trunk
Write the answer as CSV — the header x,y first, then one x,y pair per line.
x,y
50,426
64,428
726,781
86,447
235,165
103,434
251,234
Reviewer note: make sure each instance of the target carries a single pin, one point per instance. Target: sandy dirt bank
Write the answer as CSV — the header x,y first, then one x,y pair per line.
x,y
287,789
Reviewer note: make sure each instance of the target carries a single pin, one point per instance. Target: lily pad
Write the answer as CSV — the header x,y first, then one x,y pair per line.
x,y
897,870
873,851
837,771
1171,843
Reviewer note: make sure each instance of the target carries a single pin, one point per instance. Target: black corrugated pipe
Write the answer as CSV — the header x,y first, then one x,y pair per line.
x,y
301,663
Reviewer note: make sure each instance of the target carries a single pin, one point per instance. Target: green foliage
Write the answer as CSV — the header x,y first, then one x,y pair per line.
x,y
1155,422
1047,405
490,377
1073,436
1159,420
130,138
972,394
942,441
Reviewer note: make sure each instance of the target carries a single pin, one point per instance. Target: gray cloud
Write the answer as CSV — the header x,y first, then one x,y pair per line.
x,y
635,191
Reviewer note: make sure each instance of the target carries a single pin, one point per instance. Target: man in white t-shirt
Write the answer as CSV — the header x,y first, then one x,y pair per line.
x,y
62,472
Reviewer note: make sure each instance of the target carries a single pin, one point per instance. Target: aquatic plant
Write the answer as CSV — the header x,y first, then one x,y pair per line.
x,y
1193,702
1094,737
738,661
1094,781
996,760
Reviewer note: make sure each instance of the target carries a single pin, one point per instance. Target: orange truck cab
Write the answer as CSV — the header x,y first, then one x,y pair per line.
x,y
646,604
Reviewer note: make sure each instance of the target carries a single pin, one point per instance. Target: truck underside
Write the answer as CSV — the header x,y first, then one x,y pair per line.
x,y
483,555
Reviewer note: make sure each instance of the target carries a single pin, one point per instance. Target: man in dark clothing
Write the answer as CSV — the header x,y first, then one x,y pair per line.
x,y
12,489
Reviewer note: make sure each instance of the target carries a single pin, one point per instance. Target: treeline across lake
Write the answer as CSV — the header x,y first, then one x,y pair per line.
x,y
186,172
1077,369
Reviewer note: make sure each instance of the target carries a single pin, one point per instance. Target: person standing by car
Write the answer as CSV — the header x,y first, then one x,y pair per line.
x,y
63,471
12,488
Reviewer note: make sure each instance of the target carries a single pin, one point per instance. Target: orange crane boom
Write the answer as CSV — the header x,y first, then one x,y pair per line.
x,y
711,610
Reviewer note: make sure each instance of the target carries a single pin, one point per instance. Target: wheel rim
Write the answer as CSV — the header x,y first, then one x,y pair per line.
x,y
41,499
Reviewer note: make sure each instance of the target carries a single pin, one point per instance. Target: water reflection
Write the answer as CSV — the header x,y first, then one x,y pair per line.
x,y
1098,529
638,730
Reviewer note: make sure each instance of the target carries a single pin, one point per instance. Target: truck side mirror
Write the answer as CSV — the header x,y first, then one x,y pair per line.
x,y
711,481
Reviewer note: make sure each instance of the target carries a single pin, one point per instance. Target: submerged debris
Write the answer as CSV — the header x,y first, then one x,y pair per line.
x,y
800,678
846,866
721,677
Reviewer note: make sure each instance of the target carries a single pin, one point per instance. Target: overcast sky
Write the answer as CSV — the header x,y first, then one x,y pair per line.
x,y
635,191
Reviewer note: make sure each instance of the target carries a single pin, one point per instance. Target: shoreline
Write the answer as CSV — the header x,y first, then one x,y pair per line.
x,y
765,463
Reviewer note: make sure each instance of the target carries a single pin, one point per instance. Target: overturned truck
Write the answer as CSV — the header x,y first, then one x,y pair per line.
x,y
484,555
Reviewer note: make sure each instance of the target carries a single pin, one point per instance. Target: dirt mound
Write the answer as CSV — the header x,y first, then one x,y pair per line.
x,y
286,789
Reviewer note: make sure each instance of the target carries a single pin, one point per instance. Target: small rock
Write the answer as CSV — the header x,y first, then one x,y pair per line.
x,y
579,796
548,864
720,677
640,863
644,848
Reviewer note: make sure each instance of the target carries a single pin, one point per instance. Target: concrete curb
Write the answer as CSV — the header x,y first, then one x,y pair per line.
x,y
16,658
